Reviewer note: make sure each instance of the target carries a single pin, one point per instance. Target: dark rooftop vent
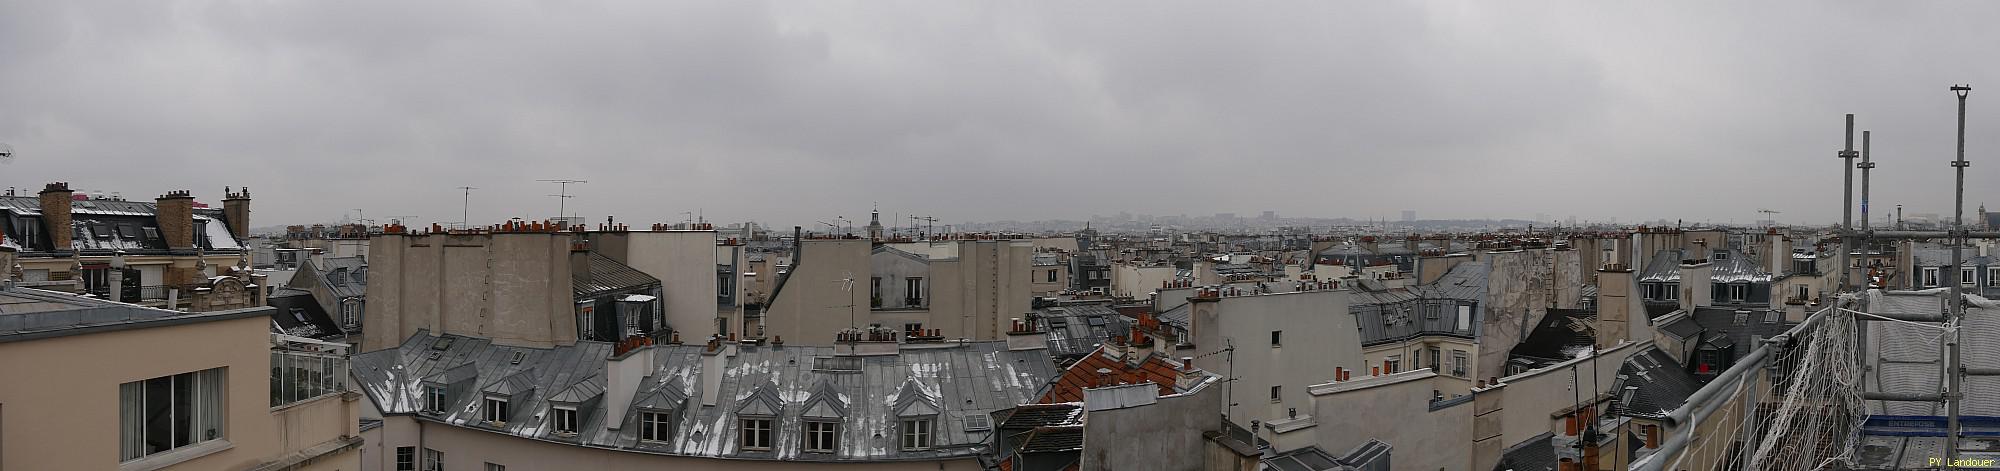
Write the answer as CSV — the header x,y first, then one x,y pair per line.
x,y
442,344
518,356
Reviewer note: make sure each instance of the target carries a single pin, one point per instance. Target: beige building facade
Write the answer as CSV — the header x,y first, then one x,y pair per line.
x,y
142,389
963,288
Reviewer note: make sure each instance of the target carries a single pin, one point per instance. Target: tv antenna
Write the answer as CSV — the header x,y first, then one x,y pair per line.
x,y
847,284
1768,220
928,221
6,153
465,208
562,194
401,220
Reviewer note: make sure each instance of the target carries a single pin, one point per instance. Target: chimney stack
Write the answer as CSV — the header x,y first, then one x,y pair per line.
x,y
236,208
56,200
175,215
579,261
1696,277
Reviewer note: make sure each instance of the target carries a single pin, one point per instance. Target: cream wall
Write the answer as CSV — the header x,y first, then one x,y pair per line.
x,y
1352,412
513,288
684,261
60,410
1319,335
973,292
1133,280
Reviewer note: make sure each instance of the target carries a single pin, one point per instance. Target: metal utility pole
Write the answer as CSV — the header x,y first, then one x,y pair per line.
x,y
1956,375
465,208
562,195
1847,206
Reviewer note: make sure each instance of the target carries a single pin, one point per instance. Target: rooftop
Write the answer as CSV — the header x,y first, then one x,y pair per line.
x,y
28,314
958,385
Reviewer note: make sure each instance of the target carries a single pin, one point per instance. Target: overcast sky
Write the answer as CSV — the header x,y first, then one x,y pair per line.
x,y
792,112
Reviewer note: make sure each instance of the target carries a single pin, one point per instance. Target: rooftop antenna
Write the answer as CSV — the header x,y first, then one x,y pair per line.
x,y
1953,391
1770,221
562,194
465,208
847,284
399,220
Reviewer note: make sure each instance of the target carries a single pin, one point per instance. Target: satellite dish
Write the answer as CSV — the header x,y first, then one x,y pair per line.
x,y
6,153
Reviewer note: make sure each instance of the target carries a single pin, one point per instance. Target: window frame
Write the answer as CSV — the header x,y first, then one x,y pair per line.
x,y
827,432
917,433
562,418
494,415
1277,393
433,460
406,458
1459,361
656,426
212,383
761,433
1968,276
434,398
1930,277
1277,338
1392,364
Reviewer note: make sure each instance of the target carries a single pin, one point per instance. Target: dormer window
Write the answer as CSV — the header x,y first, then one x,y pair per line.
x,y
821,437
1739,291
755,433
563,419
433,398
494,410
917,434
656,426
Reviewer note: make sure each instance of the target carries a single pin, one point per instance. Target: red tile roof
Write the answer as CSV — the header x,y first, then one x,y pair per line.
x,y
1156,369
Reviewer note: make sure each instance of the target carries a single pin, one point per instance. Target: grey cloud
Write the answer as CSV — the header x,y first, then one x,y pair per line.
x,y
794,112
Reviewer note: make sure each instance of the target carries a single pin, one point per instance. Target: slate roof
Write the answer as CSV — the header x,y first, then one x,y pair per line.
x,y
1370,456
1076,330
961,380
1536,454
1556,338
1043,415
1657,383
1666,267
1466,281
1180,316
1411,317
102,225
27,313
609,276
1053,439
1721,324
309,321
344,277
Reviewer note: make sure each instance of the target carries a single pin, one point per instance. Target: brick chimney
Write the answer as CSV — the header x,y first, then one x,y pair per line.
x,y
1696,278
236,208
56,200
175,214
579,261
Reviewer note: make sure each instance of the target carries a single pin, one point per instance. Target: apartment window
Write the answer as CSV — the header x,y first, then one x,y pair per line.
x,y
756,434
1930,276
564,418
433,460
821,436
495,467
169,412
1739,291
1673,291
433,398
299,377
1719,256
350,314
1803,291
1464,318
1393,364
1052,276
494,409
1437,356
1181,337
654,426
1433,311
1965,277
1276,393
586,320
1276,336
1458,362
916,434
1993,276
915,293
406,458
875,287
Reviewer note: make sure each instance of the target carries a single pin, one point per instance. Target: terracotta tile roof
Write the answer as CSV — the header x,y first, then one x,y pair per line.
x,y
1156,369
